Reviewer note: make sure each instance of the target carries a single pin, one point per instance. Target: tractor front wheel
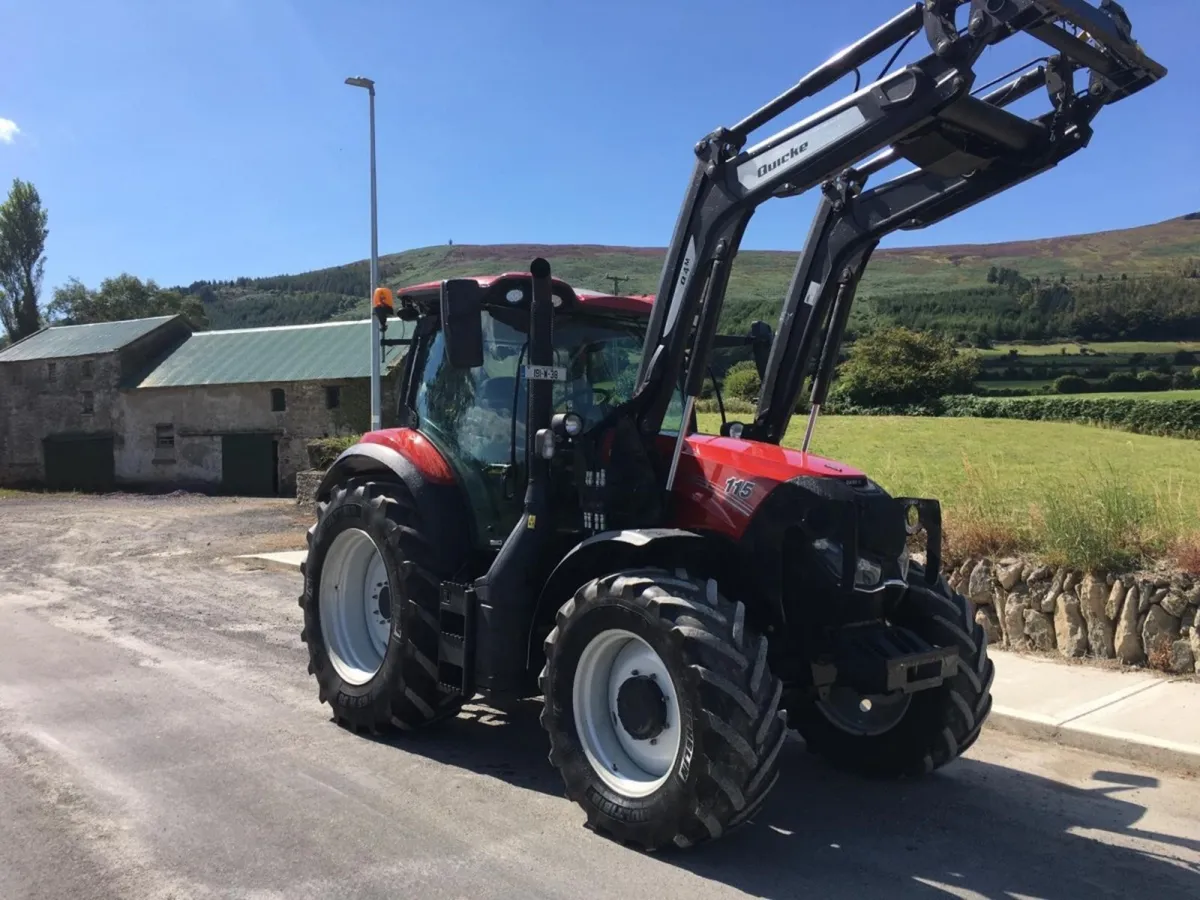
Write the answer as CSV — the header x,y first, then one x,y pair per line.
x,y
911,734
371,606
663,715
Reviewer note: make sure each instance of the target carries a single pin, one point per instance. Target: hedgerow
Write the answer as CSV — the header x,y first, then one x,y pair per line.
x,y
1164,418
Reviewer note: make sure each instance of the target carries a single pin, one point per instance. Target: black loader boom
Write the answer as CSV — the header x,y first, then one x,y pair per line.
x,y
965,145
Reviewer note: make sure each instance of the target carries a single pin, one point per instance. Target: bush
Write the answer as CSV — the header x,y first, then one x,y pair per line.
x,y
1119,382
742,382
1182,381
1165,418
733,406
323,451
1071,384
899,367
1153,381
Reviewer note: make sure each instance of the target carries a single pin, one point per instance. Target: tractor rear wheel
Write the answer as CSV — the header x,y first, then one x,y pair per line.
x,y
917,733
663,715
372,632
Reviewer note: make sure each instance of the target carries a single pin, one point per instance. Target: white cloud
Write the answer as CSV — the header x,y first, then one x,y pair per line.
x,y
8,130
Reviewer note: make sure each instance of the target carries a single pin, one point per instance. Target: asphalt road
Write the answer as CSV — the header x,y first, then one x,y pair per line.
x,y
159,738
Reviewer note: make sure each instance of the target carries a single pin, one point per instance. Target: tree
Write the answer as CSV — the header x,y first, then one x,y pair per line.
x,y
122,297
899,367
22,245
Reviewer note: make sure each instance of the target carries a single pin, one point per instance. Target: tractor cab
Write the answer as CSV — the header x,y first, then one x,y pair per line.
x,y
466,379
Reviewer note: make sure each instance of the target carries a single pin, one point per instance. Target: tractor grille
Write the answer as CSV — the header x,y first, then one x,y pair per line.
x,y
880,518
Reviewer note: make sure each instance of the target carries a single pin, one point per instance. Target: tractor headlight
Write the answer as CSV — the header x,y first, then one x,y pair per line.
x,y
866,572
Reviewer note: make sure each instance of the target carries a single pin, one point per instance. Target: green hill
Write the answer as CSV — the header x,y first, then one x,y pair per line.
x,y
1031,290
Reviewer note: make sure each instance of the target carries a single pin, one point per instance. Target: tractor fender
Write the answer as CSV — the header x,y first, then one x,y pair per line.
x,y
440,501
669,548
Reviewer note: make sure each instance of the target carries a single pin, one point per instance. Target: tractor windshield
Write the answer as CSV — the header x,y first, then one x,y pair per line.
x,y
477,416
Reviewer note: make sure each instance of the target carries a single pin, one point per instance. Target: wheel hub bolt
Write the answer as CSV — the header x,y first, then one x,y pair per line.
x,y
864,705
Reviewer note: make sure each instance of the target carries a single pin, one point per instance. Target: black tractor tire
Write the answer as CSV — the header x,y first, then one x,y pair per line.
x,y
941,723
728,703
404,693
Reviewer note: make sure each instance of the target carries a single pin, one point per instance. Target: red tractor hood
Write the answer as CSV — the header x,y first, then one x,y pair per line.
x,y
722,480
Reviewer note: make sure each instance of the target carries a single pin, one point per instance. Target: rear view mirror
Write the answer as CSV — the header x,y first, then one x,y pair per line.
x,y
461,323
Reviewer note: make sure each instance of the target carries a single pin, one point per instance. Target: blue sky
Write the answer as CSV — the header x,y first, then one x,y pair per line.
x,y
215,138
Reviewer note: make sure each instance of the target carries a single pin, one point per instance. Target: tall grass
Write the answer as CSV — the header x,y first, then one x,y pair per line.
x,y
1098,522
1096,519
983,521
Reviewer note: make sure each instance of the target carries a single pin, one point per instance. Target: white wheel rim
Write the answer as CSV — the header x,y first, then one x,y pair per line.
x,y
355,606
632,767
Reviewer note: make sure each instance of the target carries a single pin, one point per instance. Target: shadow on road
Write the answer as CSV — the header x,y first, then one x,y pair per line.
x,y
974,830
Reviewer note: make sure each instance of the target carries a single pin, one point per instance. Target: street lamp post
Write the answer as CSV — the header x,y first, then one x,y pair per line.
x,y
376,350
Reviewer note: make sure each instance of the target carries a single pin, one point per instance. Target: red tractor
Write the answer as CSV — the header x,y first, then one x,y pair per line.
x,y
548,521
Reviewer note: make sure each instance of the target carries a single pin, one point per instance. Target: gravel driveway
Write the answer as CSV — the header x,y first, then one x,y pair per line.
x,y
160,738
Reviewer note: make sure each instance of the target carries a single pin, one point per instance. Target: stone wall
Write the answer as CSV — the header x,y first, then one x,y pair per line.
x,y
307,482
1138,619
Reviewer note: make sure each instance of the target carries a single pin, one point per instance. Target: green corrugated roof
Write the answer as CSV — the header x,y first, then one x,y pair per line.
x,y
327,351
80,340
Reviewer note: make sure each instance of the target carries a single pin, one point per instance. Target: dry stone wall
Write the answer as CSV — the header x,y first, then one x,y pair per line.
x,y
1139,619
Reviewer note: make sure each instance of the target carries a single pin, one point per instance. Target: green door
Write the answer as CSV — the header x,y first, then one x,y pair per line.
x,y
79,462
250,465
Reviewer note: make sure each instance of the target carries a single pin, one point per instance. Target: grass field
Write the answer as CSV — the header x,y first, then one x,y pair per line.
x,y
1149,396
1009,485
1020,385
1150,348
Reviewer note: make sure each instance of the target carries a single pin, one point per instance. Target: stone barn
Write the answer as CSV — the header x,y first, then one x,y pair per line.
x,y
157,405
60,398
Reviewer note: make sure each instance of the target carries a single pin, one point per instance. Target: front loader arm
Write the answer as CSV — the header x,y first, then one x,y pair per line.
x,y
729,183
967,148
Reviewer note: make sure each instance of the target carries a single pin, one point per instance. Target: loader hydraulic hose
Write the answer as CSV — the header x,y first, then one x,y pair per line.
x,y
887,34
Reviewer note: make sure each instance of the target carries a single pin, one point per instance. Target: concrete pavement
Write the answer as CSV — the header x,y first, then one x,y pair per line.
x,y
160,737
1134,714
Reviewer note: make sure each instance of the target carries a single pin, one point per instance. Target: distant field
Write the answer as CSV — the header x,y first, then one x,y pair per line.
x,y
1124,348
1005,466
1019,385
1125,395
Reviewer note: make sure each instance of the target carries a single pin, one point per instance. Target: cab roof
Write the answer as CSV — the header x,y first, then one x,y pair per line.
x,y
497,285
